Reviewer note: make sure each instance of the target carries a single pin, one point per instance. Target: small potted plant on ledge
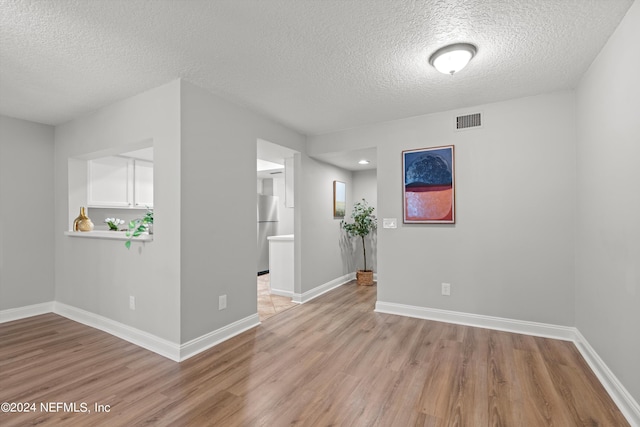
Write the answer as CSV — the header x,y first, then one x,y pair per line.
x,y
114,223
139,226
364,222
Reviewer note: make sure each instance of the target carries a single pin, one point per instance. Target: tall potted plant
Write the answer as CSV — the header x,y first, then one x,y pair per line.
x,y
364,222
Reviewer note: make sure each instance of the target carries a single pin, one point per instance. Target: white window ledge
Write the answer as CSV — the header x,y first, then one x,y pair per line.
x,y
110,235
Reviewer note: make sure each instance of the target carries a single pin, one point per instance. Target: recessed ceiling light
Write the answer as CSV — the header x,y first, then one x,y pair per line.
x,y
263,165
453,58
363,162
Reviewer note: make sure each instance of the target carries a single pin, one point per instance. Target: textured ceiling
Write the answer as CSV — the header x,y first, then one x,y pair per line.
x,y
315,66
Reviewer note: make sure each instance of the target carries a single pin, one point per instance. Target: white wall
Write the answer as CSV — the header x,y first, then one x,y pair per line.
x,y
365,186
98,216
26,220
218,202
99,275
326,254
608,221
511,252
286,223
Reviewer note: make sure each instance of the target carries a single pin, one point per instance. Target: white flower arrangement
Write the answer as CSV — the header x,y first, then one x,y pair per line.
x,y
113,223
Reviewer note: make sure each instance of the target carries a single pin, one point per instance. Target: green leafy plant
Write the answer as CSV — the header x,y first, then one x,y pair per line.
x,y
138,226
364,222
113,223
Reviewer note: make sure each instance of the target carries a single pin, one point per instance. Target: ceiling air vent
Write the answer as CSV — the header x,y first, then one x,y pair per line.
x,y
469,121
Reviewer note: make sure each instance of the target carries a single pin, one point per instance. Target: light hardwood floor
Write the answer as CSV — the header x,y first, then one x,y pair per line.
x,y
332,361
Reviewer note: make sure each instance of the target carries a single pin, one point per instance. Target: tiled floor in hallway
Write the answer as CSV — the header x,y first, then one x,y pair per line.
x,y
270,305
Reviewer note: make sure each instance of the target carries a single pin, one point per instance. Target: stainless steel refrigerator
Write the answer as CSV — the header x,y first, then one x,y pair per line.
x,y
267,226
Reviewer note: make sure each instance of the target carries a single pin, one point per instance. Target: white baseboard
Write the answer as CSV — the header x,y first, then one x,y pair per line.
x,y
627,405
135,336
282,293
12,314
565,333
204,342
322,289
140,338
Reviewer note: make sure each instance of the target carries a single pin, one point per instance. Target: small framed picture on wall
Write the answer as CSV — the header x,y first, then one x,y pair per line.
x,y
428,176
339,199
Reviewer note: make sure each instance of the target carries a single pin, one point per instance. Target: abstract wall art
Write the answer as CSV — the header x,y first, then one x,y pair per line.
x,y
429,185
339,199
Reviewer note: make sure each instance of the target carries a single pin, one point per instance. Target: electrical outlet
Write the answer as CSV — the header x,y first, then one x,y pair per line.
x,y
446,289
132,302
222,302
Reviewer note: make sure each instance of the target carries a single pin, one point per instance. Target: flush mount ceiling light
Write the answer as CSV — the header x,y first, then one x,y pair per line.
x,y
453,58
363,162
263,165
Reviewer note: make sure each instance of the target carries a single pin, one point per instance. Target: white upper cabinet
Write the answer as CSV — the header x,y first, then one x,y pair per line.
x,y
110,182
143,183
117,181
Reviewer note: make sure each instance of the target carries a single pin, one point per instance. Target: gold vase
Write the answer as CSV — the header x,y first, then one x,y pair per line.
x,y
83,222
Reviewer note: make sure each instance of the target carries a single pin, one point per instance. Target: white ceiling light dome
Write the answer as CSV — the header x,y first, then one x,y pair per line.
x,y
452,58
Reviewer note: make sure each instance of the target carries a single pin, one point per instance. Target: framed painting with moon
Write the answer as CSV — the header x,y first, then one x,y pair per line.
x,y
429,187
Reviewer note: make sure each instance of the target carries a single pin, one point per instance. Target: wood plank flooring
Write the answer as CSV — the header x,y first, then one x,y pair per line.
x,y
332,361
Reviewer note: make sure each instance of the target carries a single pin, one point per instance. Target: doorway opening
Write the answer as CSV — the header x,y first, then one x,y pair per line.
x,y
275,228
270,304
360,166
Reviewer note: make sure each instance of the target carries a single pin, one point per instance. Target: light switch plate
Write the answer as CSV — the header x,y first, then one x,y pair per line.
x,y
389,223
